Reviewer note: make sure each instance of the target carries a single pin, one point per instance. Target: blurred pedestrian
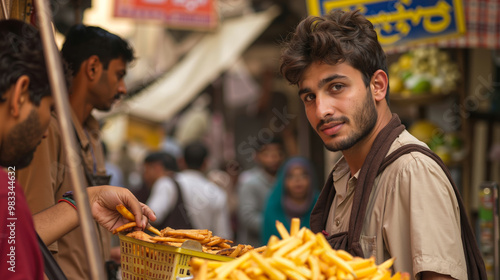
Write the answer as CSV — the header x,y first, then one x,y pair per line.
x,y
158,169
204,202
293,196
253,188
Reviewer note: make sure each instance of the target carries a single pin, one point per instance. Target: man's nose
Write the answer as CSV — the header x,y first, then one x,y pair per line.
x,y
324,106
122,88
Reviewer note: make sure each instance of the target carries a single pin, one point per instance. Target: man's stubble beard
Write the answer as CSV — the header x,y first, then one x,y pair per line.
x,y
366,118
18,148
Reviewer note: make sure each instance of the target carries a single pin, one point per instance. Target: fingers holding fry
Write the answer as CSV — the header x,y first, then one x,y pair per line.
x,y
124,227
125,212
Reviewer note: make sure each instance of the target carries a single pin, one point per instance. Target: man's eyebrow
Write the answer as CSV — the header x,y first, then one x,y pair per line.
x,y
304,90
326,80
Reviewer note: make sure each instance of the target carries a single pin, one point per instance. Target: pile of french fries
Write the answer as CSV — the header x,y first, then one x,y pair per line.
x,y
299,255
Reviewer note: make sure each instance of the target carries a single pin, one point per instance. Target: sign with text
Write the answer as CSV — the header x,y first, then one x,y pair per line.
x,y
183,14
402,21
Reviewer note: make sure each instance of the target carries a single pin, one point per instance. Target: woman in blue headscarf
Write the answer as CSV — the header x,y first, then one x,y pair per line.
x,y
293,195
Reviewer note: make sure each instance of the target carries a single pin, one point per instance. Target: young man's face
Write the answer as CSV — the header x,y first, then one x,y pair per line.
x,y
338,105
110,85
151,171
271,157
297,182
23,139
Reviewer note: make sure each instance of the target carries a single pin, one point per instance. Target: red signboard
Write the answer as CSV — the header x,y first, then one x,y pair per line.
x,y
185,14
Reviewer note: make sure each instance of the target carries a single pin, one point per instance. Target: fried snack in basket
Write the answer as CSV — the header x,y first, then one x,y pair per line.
x,y
210,243
141,235
129,216
299,254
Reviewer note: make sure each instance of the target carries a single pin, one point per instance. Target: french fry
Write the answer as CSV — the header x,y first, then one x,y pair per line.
x,y
344,255
168,239
266,267
260,249
224,271
359,263
339,262
280,243
125,212
294,226
240,275
124,227
314,265
129,216
384,276
293,275
282,230
237,251
288,247
387,264
215,241
254,272
300,250
363,272
203,270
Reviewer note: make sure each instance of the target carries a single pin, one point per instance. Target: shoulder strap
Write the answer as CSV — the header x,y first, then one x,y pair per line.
x,y
474,260
52,269
177,218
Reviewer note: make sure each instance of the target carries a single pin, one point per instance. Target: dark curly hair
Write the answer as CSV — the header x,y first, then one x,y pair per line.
x,y
21,53
336,37
84,41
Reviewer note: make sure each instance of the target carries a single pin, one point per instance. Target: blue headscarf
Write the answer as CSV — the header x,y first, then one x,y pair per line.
x,y
277,208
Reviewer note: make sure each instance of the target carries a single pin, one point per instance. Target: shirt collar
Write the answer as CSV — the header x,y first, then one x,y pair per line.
x,y
341,168
90,124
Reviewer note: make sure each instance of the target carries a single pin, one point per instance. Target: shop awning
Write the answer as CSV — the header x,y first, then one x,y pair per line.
x,y
215,53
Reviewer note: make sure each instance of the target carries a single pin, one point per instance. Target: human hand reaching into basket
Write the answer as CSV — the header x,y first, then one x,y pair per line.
x,y
105,201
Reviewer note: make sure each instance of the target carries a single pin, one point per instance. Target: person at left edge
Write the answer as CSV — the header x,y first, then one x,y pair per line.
x,y
25,113
97,61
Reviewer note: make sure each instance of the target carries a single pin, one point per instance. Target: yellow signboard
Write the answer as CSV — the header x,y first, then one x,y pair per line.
x,y
402,21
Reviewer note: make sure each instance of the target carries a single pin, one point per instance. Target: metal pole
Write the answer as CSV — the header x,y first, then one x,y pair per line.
x,y
5,8
496,234
60,94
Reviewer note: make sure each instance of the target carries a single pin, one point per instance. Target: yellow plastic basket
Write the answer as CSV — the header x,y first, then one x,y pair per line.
x,y
141,260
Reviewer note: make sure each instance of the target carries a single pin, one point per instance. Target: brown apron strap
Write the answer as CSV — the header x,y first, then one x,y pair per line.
x,y
473,258
366,180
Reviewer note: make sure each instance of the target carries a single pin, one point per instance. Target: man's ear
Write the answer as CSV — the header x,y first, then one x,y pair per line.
x,y
378,85
92,67
20,95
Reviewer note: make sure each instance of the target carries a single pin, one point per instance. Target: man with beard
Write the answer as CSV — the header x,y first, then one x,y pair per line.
x,y
25,113
388,196
97,61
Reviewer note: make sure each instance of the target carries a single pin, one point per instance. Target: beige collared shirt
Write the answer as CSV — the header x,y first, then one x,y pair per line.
x,y
46,179
413,214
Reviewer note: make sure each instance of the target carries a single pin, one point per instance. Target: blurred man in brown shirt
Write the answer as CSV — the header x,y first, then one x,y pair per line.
x,y
97,60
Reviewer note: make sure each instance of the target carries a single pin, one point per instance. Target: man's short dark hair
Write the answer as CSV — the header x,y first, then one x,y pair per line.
x,y
336,37
263,143
167,160
195,154
21,53
84,41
